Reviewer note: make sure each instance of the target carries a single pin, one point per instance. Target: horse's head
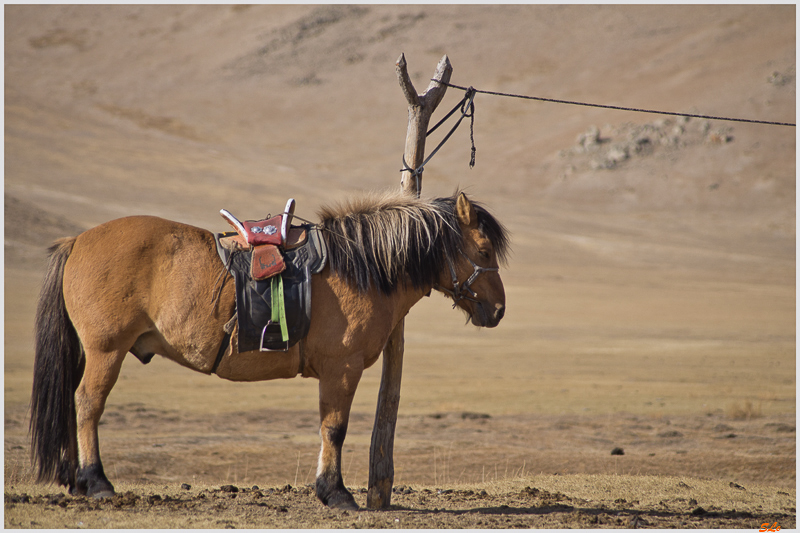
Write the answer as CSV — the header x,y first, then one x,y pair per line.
x,y
473,273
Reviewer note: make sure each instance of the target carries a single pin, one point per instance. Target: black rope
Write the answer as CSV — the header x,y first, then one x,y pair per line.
x,y
467,107
469,111
619,108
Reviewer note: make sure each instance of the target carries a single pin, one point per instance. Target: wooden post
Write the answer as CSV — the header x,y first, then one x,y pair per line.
x,y
381,461
420,109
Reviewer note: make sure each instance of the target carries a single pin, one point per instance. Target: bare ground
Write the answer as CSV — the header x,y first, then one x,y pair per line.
x,y
651,295
511,504
255,469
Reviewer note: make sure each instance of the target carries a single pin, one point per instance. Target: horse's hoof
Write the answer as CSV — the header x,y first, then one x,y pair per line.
x,y
92,481
342,501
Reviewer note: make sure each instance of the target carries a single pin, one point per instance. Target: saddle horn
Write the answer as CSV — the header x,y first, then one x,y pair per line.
x,y
286,221
233,221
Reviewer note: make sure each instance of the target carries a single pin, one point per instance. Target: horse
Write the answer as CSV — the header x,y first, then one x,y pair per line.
x,y
145,285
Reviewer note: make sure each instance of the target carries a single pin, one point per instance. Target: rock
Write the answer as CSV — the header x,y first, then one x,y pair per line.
x,y
617,154
590,139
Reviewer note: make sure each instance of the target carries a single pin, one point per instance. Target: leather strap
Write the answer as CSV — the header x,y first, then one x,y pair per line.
x,y
278,307
226,342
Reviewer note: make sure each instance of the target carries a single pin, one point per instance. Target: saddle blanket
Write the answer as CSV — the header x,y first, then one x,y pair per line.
x,y
254,300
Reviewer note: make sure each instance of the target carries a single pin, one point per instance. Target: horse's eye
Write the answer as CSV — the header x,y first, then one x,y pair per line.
x,y
483,253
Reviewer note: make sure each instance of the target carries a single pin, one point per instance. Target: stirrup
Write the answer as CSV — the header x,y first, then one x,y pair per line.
x,y
261,347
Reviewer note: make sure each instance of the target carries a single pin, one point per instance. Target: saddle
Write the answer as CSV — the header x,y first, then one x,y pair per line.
x,y
272,262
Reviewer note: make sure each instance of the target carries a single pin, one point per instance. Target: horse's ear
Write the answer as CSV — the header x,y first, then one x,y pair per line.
x,y
465,211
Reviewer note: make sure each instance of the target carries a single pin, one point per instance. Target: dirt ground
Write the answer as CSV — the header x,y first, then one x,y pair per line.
x,y
650,295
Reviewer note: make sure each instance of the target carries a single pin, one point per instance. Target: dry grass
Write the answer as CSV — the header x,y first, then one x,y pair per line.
x,y
650,491
746,410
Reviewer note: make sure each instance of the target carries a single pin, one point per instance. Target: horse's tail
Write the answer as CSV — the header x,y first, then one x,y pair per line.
x,y
57,371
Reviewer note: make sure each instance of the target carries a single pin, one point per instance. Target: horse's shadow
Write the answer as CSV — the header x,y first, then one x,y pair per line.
x,y
498,510
589,512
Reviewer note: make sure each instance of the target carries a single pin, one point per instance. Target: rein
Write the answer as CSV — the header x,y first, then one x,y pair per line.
x,y
463,291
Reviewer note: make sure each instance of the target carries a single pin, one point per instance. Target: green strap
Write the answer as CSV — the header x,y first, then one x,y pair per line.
x,y
278,309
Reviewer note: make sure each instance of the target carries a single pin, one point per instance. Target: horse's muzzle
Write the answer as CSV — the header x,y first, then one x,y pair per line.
x,y
486,318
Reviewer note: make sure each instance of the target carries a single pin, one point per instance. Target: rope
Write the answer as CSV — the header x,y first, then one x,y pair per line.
x,y
619,108
467,107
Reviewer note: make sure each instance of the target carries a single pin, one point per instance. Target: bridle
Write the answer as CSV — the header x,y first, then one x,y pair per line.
x,y
463,291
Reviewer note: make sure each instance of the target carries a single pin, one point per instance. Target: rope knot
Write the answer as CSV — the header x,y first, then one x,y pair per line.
x,y
467,108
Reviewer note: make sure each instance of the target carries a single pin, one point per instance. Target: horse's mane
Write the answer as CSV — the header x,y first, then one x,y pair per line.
x,y
380,240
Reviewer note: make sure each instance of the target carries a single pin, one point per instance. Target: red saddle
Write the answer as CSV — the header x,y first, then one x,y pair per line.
x,y
265,238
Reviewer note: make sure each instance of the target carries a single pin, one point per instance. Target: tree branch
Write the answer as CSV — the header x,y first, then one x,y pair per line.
x,y
405,82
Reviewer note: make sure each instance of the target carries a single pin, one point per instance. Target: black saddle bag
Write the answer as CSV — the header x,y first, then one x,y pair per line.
x,y
254,298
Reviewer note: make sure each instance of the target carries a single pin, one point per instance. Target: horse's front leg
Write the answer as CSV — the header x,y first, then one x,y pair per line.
x,y
336,391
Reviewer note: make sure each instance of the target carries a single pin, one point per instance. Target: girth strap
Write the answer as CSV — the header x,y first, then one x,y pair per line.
x,y
226,342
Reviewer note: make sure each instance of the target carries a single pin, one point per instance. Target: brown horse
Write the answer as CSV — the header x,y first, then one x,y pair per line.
x,y
148,286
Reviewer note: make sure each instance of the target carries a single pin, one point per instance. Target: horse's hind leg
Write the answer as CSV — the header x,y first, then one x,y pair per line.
x,y
335,398
100,375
